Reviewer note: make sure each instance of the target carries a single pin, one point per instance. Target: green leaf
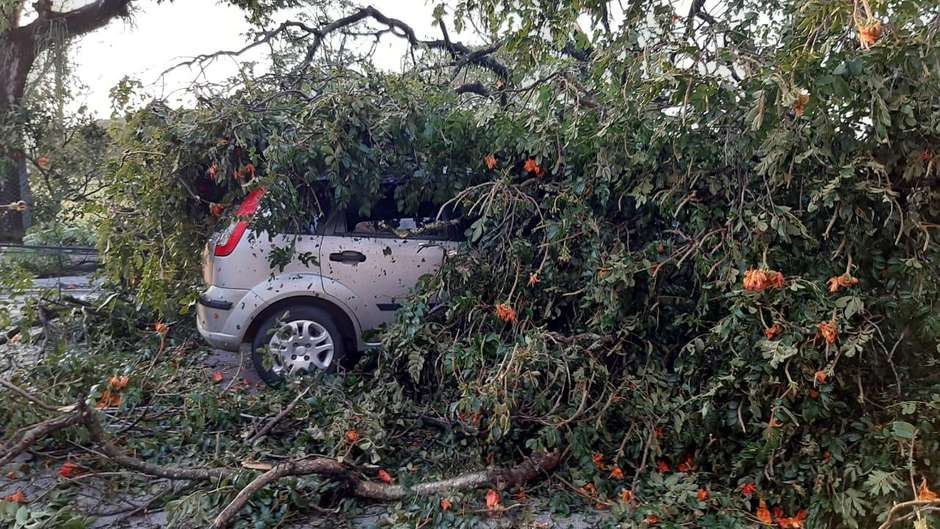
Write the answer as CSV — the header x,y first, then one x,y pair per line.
x,y
902,430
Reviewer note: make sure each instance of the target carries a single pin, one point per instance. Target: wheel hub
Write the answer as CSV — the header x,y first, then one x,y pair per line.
x,y
300,345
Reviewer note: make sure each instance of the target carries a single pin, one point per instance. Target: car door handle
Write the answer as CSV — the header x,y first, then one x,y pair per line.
x,y
348,256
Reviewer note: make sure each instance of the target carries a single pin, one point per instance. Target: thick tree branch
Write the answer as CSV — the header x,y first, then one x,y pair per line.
x,y
78,21
461,53
498,477
37,432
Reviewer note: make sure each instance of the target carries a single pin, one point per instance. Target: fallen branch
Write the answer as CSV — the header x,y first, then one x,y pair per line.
x,y
115,454
498,477
37,432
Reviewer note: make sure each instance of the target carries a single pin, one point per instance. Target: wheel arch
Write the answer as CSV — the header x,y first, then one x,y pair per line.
x,y
343,320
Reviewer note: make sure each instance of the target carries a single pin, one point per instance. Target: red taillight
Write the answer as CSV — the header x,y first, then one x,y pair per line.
x,y
231,237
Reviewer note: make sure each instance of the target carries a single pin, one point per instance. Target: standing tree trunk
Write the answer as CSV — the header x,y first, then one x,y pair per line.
x,y
19,47
17,54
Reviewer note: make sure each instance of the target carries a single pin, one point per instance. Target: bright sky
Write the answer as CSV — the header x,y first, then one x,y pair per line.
x,y
161,35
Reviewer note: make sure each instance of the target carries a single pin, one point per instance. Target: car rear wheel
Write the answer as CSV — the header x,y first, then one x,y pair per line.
x,y
296,340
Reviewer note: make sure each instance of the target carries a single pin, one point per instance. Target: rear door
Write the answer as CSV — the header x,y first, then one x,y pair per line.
x,y
379,257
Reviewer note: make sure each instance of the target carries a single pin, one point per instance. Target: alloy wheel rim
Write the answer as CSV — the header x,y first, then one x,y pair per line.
x,y
300,346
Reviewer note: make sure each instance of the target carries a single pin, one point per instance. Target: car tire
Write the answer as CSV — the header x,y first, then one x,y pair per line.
x,y
296,329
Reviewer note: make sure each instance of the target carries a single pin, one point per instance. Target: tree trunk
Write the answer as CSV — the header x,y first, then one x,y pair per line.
x,y
19,47
17,54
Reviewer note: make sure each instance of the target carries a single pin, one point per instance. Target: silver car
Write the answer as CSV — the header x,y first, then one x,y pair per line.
x,y
348,276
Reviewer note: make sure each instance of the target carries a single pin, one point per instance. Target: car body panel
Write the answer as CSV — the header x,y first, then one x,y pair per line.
x,y
379,284
368,290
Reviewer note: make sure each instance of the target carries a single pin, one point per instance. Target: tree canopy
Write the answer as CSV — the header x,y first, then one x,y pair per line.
x,y
701,263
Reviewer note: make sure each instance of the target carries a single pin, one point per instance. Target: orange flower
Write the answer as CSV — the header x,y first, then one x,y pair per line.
x,y
588,490
161,328
820,377
755,280
686,465
799,106
384,476
748,489
43,162
616,473
793,522
651,519
763,514
925,494
843,281
702,495
626,495
108,400
598,459
213,170
828,331
217,377
868,34
352,437
492,500
534,279
446,504
490,161
119,383
16,497
216,210
662,466
772,331
67,470
505,313
532,167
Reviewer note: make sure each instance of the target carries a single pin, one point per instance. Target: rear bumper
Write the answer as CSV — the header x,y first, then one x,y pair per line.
x,y
213,317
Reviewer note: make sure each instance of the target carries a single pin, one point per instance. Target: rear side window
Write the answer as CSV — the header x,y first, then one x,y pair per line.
x,y
385,220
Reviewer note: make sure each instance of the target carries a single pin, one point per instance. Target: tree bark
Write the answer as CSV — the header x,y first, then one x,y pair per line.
x,y
19,47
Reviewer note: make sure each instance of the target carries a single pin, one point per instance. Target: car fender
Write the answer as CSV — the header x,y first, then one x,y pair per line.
x,y
290,285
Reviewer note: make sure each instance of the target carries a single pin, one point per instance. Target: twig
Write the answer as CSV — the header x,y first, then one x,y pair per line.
x,y
27,395
277,418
